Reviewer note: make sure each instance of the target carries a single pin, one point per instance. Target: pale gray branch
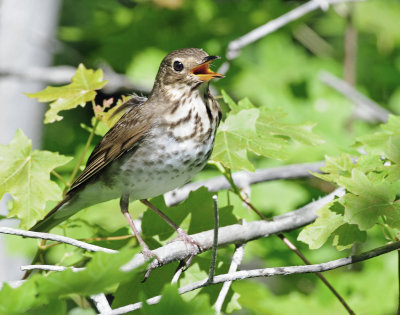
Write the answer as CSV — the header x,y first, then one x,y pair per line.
x,y
49,268
57,238
268,272
366,109
102,304
236,261
243,179
236,45
63,74
237,233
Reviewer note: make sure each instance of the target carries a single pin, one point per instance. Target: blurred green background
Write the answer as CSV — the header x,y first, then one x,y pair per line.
x,y
280,70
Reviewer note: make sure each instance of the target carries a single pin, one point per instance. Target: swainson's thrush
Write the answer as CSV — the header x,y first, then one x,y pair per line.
x,y
156,146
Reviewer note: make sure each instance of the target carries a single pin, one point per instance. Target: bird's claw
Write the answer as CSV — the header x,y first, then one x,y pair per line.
x,y
187,239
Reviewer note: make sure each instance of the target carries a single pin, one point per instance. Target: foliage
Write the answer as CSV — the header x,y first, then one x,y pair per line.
x,y
264,134
25,174
371,183
82,90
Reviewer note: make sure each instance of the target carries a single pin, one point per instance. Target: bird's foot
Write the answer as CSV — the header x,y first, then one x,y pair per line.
x,y
187,239
148,254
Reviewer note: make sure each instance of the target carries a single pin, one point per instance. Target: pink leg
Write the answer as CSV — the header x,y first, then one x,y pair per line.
x,y
182,235
124,204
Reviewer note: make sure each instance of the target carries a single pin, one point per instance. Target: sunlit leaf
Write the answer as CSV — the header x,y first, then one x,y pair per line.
x,y
83,88
25,174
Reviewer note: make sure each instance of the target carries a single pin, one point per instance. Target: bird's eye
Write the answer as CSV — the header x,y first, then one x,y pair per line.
x,y
178,66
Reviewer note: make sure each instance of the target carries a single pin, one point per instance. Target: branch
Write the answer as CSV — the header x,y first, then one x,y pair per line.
x,y
63,75
367,108
237,233
49,268
57,238
236,261
236,45
215,240
268,272
102,304
243,179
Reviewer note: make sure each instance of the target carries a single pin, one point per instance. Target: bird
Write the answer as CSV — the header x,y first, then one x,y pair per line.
x,y
159,144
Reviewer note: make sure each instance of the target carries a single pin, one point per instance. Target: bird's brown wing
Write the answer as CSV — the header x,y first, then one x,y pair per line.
x,y
122,137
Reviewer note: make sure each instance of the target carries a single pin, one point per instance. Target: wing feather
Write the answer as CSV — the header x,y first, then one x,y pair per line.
x,y
122,137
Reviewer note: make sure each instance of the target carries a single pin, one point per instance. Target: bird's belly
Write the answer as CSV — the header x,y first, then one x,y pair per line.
x,y
162,165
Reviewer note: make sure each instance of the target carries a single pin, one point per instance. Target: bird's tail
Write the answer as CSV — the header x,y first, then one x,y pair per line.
x,y
54,217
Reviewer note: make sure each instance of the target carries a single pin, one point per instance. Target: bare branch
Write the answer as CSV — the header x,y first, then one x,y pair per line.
x,y
367,108
243,179
102,304
236,261
215,241
57,238
269,272
236,45
63,75
237,233
49,268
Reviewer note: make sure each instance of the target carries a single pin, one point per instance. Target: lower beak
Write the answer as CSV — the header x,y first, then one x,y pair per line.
x,y
203,71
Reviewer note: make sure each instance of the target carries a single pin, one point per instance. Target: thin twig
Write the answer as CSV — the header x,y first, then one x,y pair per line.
x,y
49,268
368,109
243,178
79,163
269,272
56,238
215,241
236,261
59,177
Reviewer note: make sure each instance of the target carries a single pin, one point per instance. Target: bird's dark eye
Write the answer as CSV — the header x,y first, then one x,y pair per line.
x,y
178,66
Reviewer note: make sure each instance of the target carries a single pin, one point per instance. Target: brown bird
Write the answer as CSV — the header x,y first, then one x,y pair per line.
x,y
156,146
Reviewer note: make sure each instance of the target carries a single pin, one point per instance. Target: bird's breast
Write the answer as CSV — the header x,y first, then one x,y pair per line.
x,y
172,153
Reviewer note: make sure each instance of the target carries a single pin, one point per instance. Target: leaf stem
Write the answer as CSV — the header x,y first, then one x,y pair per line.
x,y
59,177
82,156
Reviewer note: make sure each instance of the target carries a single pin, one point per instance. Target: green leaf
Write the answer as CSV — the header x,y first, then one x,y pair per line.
x,y
25,174
368,199
234,137
100,273
172,303
392,150
317,233
346,235
83,88
235,108
258,130
12,301
335,167
268,123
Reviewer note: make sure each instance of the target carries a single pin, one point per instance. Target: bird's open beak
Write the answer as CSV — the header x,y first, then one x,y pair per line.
x,y
203,71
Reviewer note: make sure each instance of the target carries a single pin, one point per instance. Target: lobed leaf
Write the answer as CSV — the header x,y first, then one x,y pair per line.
x,y
25,174
81,90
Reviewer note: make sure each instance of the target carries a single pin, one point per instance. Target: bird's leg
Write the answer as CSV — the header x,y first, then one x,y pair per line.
x,y
181,233
124,204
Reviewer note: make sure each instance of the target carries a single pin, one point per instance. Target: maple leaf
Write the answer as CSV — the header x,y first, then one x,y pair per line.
x,y
25,175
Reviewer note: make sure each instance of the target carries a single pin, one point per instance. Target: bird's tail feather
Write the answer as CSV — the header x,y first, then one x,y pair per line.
x,y
52,219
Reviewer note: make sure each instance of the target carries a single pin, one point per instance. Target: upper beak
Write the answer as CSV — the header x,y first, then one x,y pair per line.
x,y
203,71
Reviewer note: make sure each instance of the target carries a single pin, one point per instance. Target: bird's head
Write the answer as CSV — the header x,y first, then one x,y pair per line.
x,y
188,67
